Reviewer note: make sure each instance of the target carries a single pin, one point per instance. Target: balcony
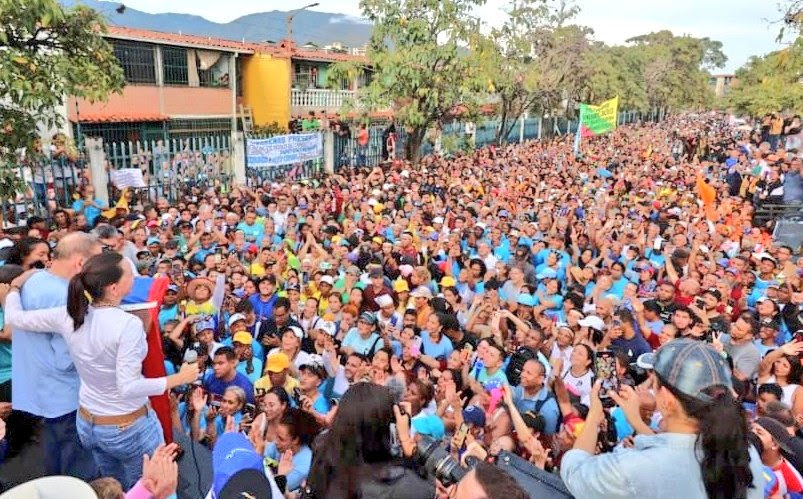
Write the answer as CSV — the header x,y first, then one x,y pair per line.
x,y
319,99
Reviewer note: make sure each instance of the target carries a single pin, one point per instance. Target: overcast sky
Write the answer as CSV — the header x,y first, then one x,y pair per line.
x,y
743,26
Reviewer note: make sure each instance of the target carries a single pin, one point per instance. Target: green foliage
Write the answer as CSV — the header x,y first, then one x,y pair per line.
x,y
769,84
534,61
420,63
46,53
269,130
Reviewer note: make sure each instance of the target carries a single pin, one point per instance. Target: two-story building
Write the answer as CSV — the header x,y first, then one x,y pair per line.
x,y
182,85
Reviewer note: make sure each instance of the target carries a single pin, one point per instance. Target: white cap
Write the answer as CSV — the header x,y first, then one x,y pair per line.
x,y
327,327
296,331
52,487
328,280
421,291
405,173
593,322
383,300
437,220
236,317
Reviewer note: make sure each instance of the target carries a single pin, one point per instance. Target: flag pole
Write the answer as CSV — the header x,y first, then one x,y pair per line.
x,y
578,134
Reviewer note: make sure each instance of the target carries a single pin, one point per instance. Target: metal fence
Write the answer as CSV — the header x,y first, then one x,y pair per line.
x,y
454,137
52,182
171,167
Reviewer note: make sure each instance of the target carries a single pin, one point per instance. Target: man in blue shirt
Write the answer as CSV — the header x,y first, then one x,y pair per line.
x,y
45,379
533,394
225,375
253,231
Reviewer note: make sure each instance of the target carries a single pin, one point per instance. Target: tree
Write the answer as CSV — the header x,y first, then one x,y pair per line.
x,y
534,61
421,64
769,84
46,53
674,68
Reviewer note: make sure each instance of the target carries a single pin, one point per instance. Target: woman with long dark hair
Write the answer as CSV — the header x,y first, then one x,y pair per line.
x,y
354,458
29,253
703,450
107,346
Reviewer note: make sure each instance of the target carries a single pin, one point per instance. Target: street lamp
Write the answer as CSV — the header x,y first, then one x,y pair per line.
x,y
294,13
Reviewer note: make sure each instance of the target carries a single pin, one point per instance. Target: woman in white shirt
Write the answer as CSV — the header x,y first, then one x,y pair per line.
x,y
107,346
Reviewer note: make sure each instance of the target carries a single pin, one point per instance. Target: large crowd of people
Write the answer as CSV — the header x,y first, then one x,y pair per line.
x,y
615,318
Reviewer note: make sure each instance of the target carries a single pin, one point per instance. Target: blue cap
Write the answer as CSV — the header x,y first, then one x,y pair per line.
x,y
173,288
730,162
429,425
526,299
153,240
204,324
503,213
474,415
689,366
547,273
233,453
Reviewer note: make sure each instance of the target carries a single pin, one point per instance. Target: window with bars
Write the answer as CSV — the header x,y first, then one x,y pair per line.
x,y
137,61
174,64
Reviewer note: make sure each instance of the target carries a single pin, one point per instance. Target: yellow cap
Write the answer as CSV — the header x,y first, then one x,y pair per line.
x,y
243,337
400,286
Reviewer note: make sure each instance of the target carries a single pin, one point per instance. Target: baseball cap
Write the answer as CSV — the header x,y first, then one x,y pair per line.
x,y
172,288
327,279
593,322
429,425
384,300
474,415
400,286
242,337
778,433
448,282
315,368
238,469
327,327
526,299
204,324
689,366
277,362
295,330
353,270
51,487
368,317
422,292
234,318
375,272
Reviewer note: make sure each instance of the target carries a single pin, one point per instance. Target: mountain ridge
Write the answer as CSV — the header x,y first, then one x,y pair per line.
x,y
256,27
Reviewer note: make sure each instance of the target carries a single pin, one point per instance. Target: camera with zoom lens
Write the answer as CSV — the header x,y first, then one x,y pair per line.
x,y
438,462
536,482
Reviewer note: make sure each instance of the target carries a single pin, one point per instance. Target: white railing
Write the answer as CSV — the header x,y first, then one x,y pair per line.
x,y
322,98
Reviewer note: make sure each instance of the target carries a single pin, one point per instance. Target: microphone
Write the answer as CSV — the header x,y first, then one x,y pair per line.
x,y
191,357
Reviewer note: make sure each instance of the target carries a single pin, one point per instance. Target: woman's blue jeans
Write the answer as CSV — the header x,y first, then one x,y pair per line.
x,y
118,450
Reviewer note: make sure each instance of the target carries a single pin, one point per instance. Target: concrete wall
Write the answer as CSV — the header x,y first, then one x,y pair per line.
x,y
150,99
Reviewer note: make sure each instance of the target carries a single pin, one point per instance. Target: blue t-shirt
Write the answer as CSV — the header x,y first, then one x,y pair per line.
x,y
440,350
498,377
90,212
256,372
263,309
5,354
253,233
218,386
302,461
360,344
46,382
